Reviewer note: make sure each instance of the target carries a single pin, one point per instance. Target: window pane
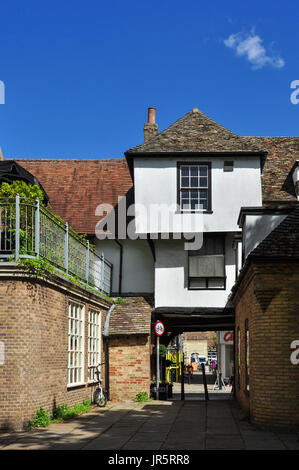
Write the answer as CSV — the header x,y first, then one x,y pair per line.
x,y
185,182
203,182
215,283
197,282
194,194
203,171
194,204
194,170
194,182
204,204
184,170
185,204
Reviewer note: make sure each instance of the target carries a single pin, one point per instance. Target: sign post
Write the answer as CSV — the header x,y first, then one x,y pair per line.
x,y
159,330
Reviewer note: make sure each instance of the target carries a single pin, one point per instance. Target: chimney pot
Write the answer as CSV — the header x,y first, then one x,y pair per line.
x,y
151,115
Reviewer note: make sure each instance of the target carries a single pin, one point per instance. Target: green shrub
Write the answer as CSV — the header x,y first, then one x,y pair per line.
x,y
59,413
24,190
142,397
64,411
162,350
41,419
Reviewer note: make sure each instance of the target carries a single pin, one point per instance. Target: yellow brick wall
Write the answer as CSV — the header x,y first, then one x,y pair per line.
x,y
34,330
269,298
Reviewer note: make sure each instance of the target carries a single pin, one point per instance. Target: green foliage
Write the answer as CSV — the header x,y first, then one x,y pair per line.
x,y
36,267
119,300
59,413
41,419
29,191
142,397
64,411
41,267
162,350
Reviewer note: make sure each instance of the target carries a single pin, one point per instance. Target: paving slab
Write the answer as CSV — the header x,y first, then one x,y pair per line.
x,y
169,425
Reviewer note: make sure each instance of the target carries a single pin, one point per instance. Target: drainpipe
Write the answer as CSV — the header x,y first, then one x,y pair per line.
x,y
106,339
120,265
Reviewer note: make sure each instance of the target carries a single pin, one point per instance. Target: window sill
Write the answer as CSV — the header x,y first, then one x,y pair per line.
x,y
206,288
79,384
194,212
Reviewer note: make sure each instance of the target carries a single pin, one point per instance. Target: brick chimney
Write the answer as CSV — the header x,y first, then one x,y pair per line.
x,y
150,128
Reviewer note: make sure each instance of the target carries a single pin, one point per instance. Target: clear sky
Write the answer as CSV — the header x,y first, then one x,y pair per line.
x,y
79,75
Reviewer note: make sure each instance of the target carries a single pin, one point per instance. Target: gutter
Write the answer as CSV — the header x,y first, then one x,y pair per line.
x,y
106,339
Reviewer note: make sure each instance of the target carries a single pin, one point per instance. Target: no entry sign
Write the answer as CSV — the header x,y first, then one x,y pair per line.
x,y
159,328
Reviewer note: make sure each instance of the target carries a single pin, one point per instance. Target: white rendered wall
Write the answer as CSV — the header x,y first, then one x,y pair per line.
x,y
171,277
155,182
138,265
257,227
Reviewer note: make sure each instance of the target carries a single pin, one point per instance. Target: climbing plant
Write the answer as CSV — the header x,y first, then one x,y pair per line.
x,y
24,190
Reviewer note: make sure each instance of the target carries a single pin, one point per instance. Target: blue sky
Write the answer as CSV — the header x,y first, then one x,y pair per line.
x,y
79,75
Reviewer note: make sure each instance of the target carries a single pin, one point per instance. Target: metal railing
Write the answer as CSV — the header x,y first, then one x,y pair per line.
x,y
28,230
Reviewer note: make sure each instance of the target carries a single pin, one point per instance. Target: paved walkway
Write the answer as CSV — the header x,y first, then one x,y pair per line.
x,y
174,425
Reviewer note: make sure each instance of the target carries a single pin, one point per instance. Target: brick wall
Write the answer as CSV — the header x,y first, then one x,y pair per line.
x,y
34,330
268,298
129,366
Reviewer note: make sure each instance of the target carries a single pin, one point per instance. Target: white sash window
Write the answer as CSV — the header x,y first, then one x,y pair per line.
x,y
75,344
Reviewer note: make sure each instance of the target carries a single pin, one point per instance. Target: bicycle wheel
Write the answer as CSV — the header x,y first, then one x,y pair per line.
x,y
100,398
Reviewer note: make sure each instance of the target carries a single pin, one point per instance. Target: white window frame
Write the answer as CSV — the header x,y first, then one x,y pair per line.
x,y
76,337
94,342
199,188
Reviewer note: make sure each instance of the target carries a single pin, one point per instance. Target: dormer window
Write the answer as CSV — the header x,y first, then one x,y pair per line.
x,y
194,187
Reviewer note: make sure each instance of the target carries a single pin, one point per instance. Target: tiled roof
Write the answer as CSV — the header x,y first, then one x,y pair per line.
x,y
77,187
132,317
277,182
196,132
283,241
282,244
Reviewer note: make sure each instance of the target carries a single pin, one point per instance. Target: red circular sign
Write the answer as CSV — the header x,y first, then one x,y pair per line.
x,y
159,328
229,336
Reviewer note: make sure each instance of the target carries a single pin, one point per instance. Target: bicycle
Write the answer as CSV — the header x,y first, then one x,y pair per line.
x,y
100,395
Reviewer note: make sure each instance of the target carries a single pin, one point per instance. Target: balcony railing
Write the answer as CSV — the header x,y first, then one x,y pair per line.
x,y
28,230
